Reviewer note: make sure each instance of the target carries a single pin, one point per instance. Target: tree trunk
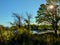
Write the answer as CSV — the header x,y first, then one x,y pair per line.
x,y
56,33
55,26
56,29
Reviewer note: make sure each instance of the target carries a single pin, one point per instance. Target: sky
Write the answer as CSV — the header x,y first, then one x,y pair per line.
x,y
7,7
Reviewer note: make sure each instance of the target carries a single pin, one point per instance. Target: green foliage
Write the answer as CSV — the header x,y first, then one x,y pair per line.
x,y
21,31
45,27
44,13
53,1
13,28
7,35
40,14
25,37
34,27
2,27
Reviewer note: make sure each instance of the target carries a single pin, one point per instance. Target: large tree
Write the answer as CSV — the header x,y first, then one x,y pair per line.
x,y
28,19
49,15
17,20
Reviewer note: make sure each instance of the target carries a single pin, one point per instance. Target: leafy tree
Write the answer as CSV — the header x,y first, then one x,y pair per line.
x,y
55,2
43,14
27,21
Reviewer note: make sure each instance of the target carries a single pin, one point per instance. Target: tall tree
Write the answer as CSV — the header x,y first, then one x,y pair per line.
x,y
55,2
49,15
17,21
29,16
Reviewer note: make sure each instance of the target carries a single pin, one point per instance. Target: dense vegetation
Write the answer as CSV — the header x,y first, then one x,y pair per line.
x,y
20,34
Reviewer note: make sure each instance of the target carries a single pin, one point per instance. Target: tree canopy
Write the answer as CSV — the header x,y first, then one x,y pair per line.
x,y
48,13
53,1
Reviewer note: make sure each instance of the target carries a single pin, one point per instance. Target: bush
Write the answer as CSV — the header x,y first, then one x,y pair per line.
x,y
25,37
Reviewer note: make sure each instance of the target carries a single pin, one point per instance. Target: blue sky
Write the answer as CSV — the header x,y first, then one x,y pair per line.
x,y
7,7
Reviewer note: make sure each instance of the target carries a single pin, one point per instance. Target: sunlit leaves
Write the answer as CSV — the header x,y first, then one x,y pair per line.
x,y
53,1
7,35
